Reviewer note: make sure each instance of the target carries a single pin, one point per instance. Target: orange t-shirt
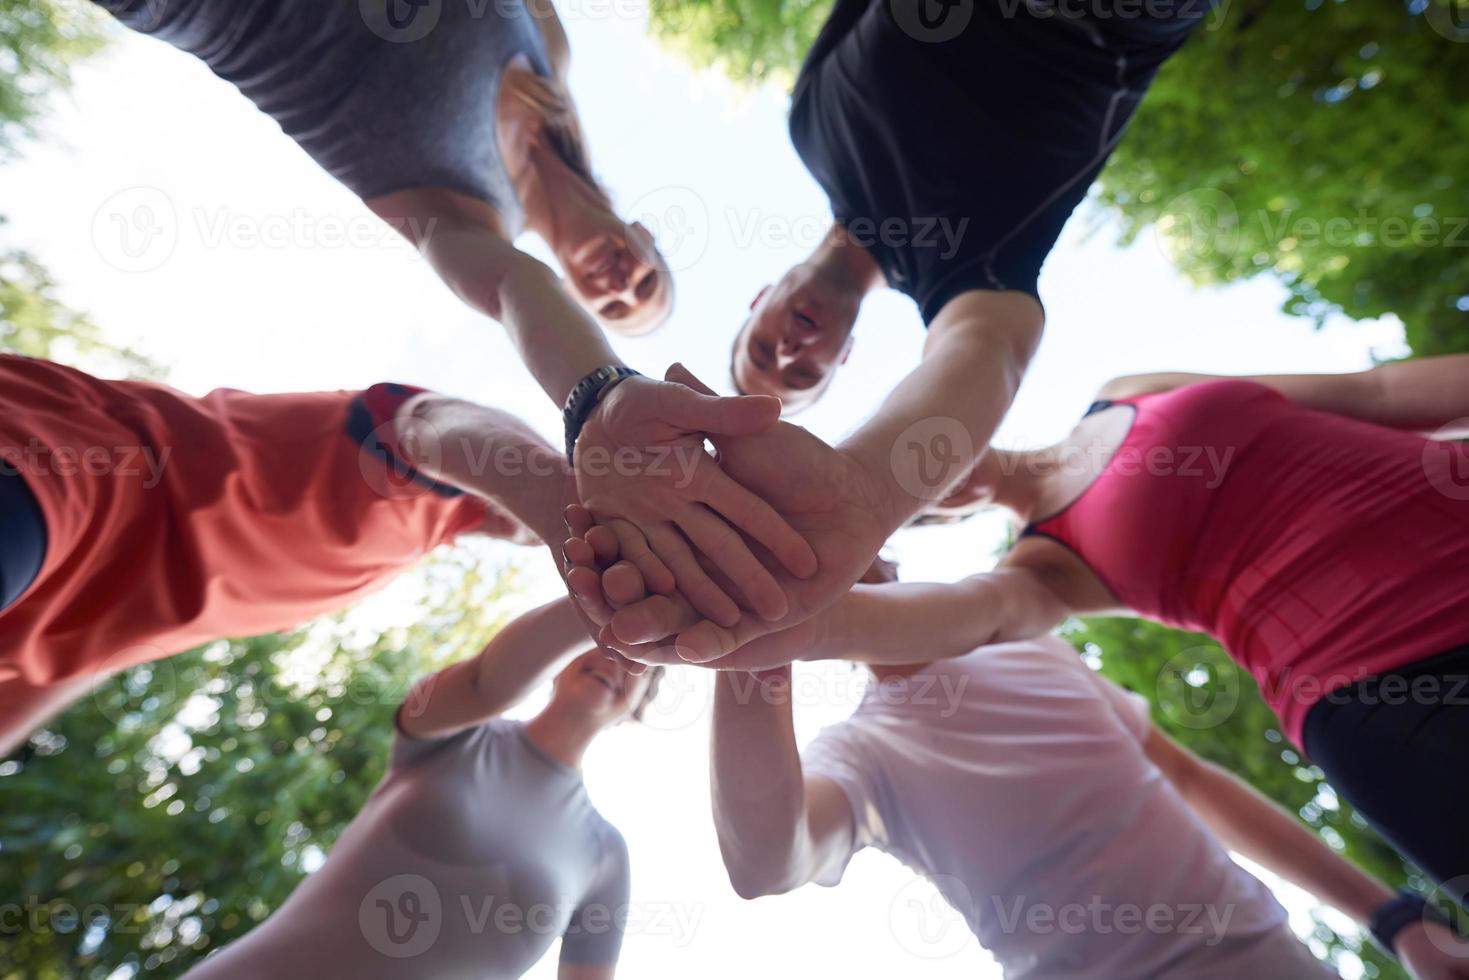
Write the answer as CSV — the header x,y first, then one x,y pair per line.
x,y
173,520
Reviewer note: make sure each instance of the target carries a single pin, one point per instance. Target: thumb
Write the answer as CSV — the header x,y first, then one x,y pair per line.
x,y
679,374
741,416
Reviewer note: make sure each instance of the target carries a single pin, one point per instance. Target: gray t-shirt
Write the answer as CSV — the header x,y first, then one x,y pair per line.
x,y
471,857
1015,779
383,94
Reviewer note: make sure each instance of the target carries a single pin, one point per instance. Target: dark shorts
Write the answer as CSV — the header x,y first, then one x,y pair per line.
x,y
22,536
1395,746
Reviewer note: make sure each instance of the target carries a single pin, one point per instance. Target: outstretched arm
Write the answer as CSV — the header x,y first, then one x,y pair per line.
x,y
490,453
777,828
1248,823
1428,394
640,453
936,423
516,660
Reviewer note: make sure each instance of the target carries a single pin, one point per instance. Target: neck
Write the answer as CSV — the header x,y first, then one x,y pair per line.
x,y
553,196
1015,480
850,265
562,735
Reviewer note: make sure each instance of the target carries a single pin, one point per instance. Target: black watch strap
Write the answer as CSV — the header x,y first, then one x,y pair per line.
x,y
1396,914
584,397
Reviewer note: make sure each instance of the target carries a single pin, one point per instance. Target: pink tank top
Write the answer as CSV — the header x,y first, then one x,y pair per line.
x,y
1316,548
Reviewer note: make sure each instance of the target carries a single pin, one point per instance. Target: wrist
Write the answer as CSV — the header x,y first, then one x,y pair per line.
x,y
586,397
1400,918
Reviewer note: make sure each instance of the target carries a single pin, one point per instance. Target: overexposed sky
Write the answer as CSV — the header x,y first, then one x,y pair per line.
x,y
188,225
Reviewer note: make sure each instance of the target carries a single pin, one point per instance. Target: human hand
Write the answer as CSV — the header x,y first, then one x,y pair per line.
x,y
1431,951
603,581
822,493
640,457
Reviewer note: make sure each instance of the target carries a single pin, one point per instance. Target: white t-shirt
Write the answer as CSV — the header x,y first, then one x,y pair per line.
x,y
1015,779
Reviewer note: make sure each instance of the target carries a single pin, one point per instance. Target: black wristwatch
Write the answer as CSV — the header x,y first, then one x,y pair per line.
x,y
1397,914
585,396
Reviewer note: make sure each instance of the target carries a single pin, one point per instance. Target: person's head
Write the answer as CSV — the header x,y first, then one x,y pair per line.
x,y
615,271
603,691
798,333
612,267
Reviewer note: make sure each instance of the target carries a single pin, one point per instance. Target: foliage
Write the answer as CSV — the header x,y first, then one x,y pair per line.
x,y
749,40
1322,143
182,801
34,322
1325,144
40,40
1211,706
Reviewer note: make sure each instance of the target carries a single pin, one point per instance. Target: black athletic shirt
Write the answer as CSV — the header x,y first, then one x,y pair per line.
x,y
955,141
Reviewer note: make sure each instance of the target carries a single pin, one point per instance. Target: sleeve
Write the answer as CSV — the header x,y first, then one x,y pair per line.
x,y
408,750
370,425
594,935
837,754
1130,707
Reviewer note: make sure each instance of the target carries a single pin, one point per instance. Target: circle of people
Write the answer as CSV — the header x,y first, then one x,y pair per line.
x,y
1321,544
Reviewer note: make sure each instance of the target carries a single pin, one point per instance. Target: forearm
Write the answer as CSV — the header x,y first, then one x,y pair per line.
x,y
1425,394
556,339
939,420
490,453
1255,827
515,662
757,787
877,624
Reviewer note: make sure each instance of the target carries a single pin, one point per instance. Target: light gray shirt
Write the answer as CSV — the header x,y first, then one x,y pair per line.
x,y
1015,780
472,856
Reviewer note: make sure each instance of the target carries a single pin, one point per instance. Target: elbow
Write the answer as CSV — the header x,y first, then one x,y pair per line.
x,y
752,883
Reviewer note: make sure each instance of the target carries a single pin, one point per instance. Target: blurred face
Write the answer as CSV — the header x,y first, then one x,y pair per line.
x,y
798,334
593,684
615,271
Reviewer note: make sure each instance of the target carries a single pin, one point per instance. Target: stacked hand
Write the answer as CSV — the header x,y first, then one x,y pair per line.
x,y
640,458
822,495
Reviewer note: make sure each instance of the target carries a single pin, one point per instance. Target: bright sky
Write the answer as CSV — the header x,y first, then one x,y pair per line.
x,y
265,274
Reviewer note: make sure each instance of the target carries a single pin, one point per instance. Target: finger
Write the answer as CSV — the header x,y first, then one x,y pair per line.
x,y
761,521
729,553
653,619
586,590
742,415
649,654
634,547
576,552
633,667
709,599
622,584
579,520
679,374
705,642
604,543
